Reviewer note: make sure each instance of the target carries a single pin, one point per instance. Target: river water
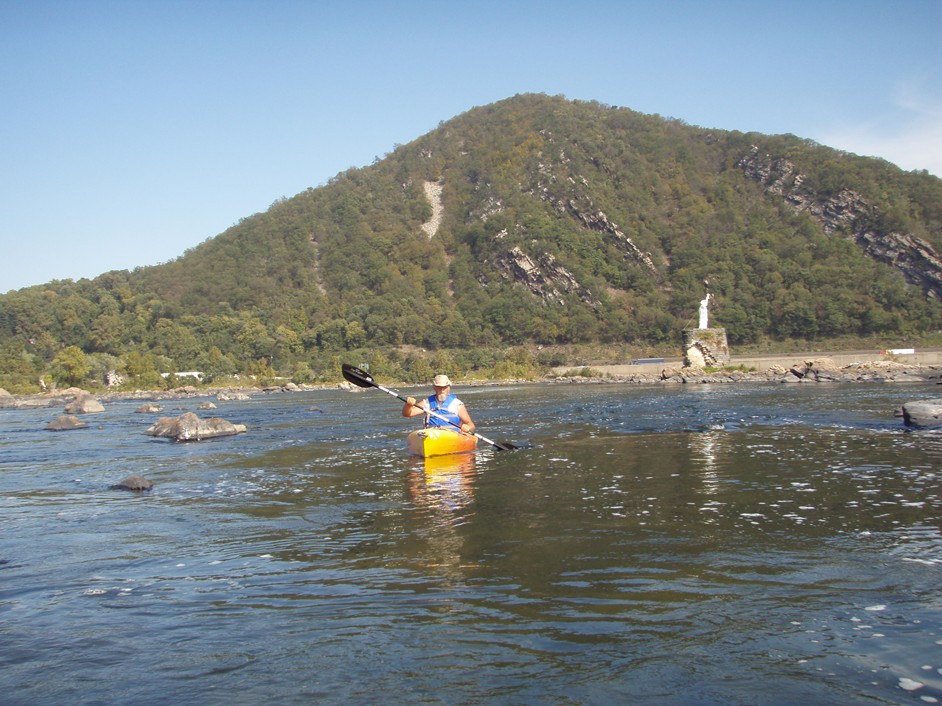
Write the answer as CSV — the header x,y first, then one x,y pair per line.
x,y
695,544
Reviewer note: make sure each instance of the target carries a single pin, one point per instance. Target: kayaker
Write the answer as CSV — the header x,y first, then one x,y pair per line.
x,y
442,403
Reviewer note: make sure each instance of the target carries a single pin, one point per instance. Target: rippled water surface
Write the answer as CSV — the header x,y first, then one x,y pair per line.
x,y
761,544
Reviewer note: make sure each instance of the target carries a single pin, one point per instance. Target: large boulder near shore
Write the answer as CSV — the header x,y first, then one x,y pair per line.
x,y
189,427
84,404
6,399
818,369
66,423
924,414
9,401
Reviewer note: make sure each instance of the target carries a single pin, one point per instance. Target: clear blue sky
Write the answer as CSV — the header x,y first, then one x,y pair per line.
x,y
134,130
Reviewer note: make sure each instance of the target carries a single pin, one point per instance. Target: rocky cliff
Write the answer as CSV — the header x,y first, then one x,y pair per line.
x,y
848,214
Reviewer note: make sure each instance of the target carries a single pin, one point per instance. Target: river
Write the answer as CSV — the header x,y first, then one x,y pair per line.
x,y
695,544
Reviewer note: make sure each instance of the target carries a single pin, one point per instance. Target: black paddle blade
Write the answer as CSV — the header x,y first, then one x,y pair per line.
x,y
358,377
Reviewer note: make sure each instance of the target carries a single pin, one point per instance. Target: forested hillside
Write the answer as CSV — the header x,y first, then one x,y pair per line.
x,y
556,222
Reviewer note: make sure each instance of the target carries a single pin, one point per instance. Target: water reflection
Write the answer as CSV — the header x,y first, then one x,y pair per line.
x,y
441,489
705,447
443,483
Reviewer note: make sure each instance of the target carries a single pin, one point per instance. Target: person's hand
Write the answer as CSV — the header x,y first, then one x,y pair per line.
x,y
466,428
411,401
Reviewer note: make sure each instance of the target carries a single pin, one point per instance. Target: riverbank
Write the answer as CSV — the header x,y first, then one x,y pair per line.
x,y
838,367
807,367
855,367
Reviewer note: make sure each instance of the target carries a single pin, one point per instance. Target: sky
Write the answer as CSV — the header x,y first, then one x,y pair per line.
x,y
133,130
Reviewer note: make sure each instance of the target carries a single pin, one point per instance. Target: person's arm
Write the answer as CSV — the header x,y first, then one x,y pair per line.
x,y
466,424
412,408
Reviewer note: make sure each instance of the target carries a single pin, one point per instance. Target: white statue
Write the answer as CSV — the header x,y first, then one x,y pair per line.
x,y
704,316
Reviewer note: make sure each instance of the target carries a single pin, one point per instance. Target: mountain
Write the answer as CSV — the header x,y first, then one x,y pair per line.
x,y
534,220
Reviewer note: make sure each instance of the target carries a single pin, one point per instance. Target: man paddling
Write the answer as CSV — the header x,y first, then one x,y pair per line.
x,y
443,404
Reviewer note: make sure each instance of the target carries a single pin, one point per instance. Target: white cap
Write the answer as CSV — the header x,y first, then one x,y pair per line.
x,y
441,381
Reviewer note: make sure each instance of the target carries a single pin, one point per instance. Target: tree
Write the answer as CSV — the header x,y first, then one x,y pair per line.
x,y
105,334
261,370
354,335
214,363
18,372
70,367
254,339
141,369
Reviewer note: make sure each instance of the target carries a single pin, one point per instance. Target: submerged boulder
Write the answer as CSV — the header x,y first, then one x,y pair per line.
x,y
189,427
135,482
924,414
66,423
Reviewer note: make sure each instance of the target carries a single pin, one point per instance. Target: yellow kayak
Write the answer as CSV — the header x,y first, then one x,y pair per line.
x,y
440,441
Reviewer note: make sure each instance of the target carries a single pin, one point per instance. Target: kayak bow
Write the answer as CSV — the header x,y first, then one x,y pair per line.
x,y
439,441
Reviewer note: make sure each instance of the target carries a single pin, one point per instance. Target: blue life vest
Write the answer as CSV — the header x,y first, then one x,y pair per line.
x,y
447,409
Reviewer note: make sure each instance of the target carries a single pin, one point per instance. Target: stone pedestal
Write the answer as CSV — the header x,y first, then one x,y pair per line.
x,y
705,347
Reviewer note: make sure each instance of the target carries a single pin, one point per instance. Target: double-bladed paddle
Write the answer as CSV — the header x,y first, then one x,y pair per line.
x,y
361,378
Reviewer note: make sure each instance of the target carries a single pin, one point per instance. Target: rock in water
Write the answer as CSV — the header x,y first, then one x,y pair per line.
x,y
6,399
924,414
84,404
189,427
66,423
135,482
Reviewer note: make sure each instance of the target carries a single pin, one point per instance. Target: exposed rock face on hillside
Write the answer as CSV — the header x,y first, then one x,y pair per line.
x,y
545,277
849,214
565,191
433,192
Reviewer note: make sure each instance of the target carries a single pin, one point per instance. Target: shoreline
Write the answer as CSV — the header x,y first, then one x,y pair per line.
x,y
810,369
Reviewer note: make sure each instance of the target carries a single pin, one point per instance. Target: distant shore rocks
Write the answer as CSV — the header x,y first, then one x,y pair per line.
x,y
231,396
923,414
9,401
812,370
189,427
